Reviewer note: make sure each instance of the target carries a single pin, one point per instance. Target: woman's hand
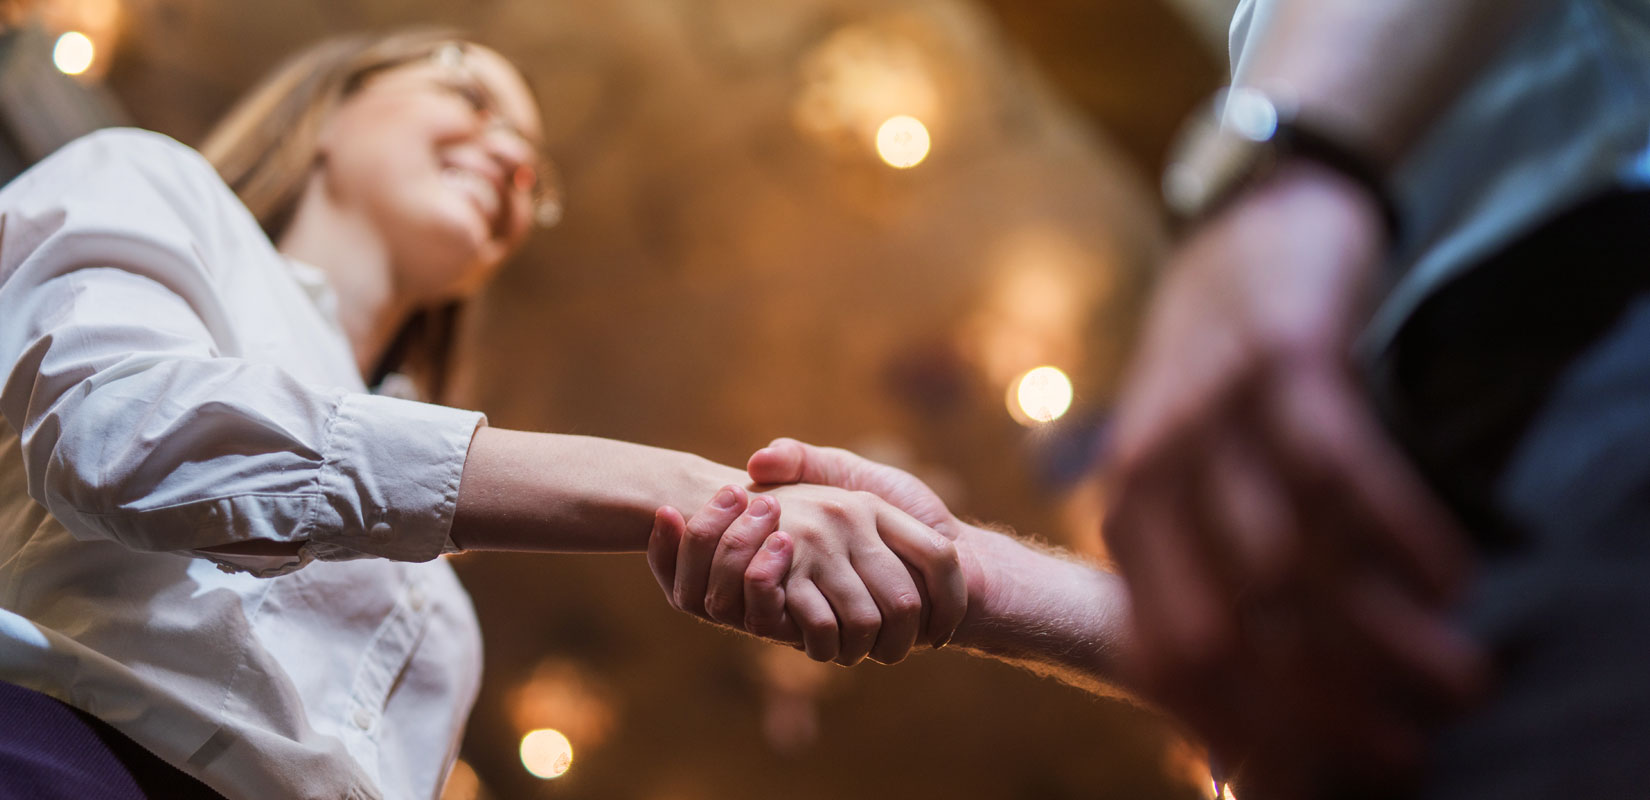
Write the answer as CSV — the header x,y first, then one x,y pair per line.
x,y
846,593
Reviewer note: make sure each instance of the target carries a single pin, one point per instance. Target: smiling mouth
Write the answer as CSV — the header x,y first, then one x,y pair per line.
x,y
482,191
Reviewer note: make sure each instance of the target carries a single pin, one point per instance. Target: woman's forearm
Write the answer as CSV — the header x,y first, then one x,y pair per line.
x,y
558,493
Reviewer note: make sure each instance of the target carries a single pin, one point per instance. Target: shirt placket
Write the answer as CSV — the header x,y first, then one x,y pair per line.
x,y
387,654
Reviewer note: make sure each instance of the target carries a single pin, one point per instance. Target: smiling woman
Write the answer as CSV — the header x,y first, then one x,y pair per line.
x,y
265,148
231,575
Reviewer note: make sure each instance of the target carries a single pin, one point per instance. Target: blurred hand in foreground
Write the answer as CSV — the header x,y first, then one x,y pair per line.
x,y
1290,574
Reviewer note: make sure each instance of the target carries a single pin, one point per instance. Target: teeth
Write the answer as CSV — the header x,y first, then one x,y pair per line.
x,y
476,184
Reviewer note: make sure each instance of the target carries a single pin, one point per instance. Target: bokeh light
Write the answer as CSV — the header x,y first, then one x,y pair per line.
x,y
1041,395
546,753
74,53
903,142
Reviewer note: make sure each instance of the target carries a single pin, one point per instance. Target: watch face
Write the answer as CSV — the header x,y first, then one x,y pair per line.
x,y
1247,113
1218,150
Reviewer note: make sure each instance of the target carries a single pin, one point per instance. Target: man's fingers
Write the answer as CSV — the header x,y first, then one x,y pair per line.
x,y
1182,625
790,461
765,614
934,558
1249,511
725,593
662,545
782,461
1415,646
1347,469
1421,531
821,638
698,548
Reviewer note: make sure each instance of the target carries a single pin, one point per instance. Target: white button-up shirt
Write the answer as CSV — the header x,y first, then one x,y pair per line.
x,y
1560,116
171,382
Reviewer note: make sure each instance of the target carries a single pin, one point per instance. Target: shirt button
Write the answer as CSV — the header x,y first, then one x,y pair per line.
x,y
363,718
380,530
415,598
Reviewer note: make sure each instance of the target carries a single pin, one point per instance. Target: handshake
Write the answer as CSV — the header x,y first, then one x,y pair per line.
x,y
849,559
839,556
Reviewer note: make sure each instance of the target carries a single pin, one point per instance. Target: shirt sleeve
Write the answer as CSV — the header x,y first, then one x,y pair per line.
x,y
140,418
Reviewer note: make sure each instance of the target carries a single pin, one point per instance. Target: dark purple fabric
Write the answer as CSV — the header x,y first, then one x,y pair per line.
x,y
52,751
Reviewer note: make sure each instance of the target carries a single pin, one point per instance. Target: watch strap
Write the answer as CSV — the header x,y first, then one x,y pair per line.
x,y
1295,140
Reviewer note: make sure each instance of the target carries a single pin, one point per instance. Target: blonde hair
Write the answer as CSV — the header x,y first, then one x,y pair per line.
x,y
267,145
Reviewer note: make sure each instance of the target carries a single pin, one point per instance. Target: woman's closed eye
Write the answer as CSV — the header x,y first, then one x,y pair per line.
x,y
470,93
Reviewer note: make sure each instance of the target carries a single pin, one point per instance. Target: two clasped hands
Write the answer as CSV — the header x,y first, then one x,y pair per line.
x,y
884,574
1286,579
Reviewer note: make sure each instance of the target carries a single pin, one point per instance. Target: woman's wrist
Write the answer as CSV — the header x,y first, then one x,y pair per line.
x,y
553,492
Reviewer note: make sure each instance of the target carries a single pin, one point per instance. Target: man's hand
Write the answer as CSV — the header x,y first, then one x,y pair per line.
x,y
860,577
1029,605
787,461
1288,571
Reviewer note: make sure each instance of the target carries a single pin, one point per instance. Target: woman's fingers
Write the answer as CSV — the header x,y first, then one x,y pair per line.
x,y
857,615
662,546
725,593
698,547
934,558
894,591
765,614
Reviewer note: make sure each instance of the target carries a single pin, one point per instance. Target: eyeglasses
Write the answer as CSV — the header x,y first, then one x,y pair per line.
x,y
537,177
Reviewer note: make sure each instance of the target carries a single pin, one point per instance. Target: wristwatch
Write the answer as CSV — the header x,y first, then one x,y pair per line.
x,y
1245,135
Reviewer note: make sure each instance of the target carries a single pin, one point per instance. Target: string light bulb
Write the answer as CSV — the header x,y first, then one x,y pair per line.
x,y
546,753
1040,396
73,53
903,141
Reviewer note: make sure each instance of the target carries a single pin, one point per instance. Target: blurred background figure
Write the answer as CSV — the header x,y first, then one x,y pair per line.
x,y
967,183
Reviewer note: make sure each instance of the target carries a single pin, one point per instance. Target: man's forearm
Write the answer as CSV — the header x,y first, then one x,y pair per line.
x,y
1377,73
1043,610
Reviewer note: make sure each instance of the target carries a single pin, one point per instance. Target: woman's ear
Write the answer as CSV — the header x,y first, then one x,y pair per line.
x,y
334,124
326,133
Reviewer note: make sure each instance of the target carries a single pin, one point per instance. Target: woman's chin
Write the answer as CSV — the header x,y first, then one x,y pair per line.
x,y
447,255
465,235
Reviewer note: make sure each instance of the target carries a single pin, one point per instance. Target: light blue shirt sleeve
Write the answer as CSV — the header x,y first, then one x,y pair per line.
x,y
1559,116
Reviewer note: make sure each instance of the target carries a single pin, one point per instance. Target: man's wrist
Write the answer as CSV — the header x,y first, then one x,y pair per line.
x,y
1244,137
1001,610
1044,610
1332,191
982,564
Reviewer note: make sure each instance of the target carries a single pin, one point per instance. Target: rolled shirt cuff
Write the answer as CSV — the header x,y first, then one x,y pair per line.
x,y
389,482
